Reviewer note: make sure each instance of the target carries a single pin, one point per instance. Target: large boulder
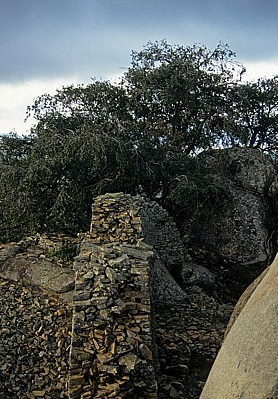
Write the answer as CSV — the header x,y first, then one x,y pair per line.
x,y
246,366
240,233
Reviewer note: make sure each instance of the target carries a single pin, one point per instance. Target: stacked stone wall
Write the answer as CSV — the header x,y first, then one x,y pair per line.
x,y
115,218
124,218
112,346
160,231
103,344
113,350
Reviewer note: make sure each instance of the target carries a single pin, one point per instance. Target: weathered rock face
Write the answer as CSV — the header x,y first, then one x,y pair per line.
x,y
246,366
240,234
195,274
31,262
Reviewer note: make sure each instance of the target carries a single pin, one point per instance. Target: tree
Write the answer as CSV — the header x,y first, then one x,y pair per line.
x,y
77,152
14,210
254,115
80,147
178,94
138,137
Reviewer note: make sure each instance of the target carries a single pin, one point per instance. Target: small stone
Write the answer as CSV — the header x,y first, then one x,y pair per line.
x,y
129,361
145,352
38,394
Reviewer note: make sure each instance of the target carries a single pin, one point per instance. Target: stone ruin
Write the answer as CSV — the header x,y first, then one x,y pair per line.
x,y
101,345
113,350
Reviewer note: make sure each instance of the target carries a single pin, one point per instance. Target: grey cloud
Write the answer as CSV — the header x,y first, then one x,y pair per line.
x,y
44,38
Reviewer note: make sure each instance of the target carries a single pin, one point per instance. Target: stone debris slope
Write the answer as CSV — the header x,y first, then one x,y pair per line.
x,y
189,336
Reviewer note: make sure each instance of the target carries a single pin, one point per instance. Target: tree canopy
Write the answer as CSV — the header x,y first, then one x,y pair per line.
x,y
137,136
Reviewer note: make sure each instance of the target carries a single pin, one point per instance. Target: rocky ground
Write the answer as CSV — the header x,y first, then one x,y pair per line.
x,y
34,362
35,334
189,336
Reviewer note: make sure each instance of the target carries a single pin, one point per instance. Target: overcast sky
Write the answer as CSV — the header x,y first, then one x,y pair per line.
x,y
45,44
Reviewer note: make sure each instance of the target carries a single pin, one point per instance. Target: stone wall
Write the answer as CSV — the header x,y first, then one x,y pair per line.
x,y
113,350
112,346
124,218
102,344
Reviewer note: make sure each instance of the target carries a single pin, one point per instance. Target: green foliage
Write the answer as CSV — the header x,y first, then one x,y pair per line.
x,y
196,194
254,115
66,252
178,93
14,201
137,137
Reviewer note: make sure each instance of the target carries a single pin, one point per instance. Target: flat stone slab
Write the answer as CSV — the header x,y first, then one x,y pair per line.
x,y
37,271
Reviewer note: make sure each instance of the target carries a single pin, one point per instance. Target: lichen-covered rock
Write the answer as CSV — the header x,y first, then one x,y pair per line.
x,y
33,265
240,233
246,366
248,168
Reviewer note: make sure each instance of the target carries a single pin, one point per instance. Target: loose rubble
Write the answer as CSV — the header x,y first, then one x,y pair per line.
x,y
188,337
35,336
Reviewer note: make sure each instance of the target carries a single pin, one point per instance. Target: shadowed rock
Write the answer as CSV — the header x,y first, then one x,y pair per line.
x,y
246,366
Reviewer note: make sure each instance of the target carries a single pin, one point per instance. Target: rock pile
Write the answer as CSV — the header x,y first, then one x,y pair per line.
x,y
35,336
188,337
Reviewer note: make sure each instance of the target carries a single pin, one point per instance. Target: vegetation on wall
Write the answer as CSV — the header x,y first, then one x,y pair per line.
x,y
139,136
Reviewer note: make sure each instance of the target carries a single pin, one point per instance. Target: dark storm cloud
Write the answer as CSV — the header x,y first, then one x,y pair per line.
x,y
44,38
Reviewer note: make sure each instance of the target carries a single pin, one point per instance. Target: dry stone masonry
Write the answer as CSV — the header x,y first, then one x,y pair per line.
x,y
86,329
113,351
124,218
112,347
